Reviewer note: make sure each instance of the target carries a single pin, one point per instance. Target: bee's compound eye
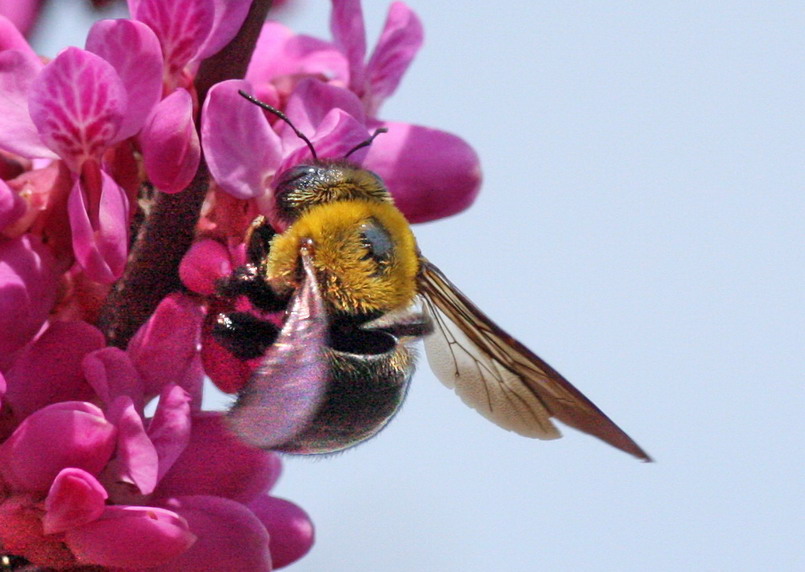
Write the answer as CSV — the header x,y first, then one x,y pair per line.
x,y
291,188
294,174
376,239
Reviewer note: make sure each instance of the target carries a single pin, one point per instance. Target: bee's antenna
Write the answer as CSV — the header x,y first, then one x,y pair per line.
x,y
281,115
368,142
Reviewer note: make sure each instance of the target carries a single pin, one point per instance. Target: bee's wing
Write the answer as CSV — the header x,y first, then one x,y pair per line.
x,y
286,389
501,378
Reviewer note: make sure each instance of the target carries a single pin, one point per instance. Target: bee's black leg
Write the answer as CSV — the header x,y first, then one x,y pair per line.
x,y
415,325
258,240
247,281
369,334
244,335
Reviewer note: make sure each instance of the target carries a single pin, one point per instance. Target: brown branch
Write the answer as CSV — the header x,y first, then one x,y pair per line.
x,y
153,268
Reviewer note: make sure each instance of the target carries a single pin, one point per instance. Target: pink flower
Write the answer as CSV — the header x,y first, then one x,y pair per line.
x,y
119,86
164,126
80,481
205,262
165,349
169,142
79,125
222,479
400,40
56,458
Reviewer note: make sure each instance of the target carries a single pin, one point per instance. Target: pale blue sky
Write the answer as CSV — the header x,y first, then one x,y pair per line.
x,y
641,228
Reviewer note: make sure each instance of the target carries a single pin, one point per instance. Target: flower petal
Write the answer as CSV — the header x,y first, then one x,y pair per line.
x,y
182,27
136,461
229,17
49,370
206,262
68,434
171,150
27,292
229,536
165,349
75,498
280,52
111,374
267,61
311,101
161,535
169,430
78,103
431,173
289,528
241,150
22,13
10,36
133,50
216,463
100,244
399,42
18,133
349,33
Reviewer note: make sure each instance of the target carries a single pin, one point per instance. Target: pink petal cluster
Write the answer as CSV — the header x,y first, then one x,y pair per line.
x,y
106,456
88,108
83,470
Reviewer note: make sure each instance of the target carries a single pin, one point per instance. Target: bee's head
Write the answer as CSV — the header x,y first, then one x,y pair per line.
x,y
365,257
304,186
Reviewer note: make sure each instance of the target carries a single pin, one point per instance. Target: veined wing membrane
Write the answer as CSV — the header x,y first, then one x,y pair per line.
x,y
501,378
482,383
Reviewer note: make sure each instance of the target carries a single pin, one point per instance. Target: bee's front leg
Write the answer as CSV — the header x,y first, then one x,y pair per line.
x,y
244,335
247,281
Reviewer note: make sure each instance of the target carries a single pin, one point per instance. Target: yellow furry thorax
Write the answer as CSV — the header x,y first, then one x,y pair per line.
x,y
352,279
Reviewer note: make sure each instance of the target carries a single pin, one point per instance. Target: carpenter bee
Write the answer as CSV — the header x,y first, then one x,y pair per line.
x,y
345,266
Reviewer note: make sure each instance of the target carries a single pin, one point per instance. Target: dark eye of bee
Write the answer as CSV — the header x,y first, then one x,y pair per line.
x,y
292,187
293,174
376,240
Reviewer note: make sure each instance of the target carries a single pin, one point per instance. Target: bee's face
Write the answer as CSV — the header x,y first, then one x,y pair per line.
x,y
364,257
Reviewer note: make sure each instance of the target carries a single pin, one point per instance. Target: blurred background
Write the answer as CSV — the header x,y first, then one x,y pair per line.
x,y
641,228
